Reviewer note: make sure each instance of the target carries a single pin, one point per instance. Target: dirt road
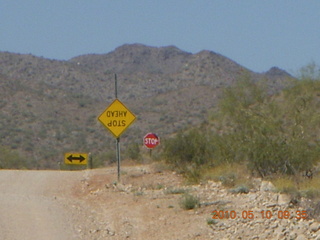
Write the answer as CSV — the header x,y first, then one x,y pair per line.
x,y
90,205
65,205
29,206
60,205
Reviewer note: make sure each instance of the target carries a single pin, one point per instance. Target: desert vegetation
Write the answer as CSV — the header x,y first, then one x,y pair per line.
x,y
255,134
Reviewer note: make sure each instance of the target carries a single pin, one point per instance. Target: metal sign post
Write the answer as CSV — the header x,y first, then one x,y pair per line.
x,y
118,138
117,118
118,157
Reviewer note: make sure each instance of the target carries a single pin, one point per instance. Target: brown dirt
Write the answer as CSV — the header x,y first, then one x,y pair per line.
x,y
90,204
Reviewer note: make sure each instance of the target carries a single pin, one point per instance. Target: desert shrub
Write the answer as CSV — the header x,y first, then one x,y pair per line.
x,y
310,72
240,189
189,201
103,159
193,174
188,150
273,134
133,151
189,153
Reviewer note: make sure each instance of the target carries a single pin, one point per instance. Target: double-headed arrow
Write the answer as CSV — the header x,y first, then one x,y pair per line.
x,y
75,158
80,158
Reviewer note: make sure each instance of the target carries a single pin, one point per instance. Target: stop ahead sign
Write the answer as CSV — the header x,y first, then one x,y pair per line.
x,y
151,140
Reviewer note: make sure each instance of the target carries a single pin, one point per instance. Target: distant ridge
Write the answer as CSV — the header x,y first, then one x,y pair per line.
x,y
48,106
277,72
133,58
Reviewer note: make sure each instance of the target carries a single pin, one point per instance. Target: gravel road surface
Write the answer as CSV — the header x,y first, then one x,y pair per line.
x,y
30,206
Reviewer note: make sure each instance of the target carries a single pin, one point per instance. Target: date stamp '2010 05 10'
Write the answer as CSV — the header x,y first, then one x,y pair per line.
x,y
249,214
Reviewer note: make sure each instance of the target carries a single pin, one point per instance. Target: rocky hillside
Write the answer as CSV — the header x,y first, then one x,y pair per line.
x,y
48,107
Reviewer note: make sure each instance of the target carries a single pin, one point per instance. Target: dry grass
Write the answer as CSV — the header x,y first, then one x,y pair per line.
x,y
298,186
230,175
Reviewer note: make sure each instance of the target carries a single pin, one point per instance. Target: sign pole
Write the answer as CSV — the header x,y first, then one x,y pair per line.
x,y
115,86
118,157
118,138
117,118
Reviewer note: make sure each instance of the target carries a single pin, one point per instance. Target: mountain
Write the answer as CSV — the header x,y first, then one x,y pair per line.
x,y
49,107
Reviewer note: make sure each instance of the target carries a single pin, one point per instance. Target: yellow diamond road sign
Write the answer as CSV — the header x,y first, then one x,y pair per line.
x,y
116,118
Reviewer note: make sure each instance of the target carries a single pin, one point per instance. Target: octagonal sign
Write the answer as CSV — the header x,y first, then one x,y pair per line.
x,y
151,140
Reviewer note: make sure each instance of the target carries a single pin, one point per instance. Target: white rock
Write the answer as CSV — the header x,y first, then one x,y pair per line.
x,y
283,199
315,227
267,186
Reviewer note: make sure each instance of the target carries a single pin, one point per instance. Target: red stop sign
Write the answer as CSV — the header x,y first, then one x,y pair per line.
x,y
151,140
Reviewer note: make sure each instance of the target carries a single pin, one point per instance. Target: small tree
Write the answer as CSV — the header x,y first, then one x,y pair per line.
x,y
273,134
189,149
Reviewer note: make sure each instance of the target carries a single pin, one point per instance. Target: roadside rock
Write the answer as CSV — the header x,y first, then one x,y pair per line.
x,y
314,227
283,199
267,186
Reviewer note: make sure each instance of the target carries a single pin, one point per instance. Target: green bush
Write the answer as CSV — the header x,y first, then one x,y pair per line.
x,y
276,134
189,201
273,134
133,151
103,159
189,150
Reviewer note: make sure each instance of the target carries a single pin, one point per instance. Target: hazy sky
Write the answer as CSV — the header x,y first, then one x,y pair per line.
x,y
258,34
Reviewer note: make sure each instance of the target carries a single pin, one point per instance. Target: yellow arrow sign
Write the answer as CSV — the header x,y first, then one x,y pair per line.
x,y
117,118
76,158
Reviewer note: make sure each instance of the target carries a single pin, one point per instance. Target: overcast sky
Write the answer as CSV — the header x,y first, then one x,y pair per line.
x,y
258,34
